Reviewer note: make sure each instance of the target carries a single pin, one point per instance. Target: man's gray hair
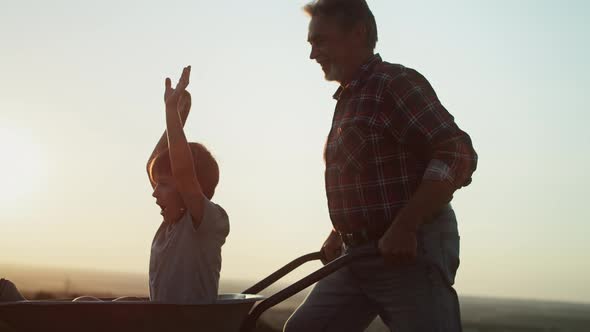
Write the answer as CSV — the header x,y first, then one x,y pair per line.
x,y
347,13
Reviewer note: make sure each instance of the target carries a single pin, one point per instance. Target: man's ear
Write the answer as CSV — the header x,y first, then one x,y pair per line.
x,y
360,33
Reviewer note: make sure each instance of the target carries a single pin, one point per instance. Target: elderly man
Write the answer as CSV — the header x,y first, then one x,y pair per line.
x,y
394,158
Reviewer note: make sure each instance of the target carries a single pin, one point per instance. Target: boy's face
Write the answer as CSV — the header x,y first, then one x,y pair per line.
x,y
168,198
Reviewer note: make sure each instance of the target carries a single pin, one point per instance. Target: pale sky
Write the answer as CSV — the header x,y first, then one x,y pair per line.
x,y
81,107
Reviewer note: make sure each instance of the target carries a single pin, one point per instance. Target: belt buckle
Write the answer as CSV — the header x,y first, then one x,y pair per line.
x,y
355,239
350,239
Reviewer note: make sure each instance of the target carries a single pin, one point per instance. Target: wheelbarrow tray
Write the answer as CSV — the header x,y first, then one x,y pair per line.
x,y
230,313
227,314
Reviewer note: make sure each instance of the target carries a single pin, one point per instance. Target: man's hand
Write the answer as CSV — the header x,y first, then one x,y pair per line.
x,y
332,247
172,96
399,244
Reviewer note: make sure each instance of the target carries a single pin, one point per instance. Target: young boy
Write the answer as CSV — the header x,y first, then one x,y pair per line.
x,y
185,260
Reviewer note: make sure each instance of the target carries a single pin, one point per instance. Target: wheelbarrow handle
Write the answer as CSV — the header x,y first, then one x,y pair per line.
x,y
250,321
271,279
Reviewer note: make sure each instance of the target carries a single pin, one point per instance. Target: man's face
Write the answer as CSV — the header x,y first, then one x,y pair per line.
x,y
333,47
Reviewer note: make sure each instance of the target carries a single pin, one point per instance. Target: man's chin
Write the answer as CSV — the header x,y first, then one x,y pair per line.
x,y
330,77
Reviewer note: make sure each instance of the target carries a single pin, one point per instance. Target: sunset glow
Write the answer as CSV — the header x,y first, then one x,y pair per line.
x,y
81,108
22,166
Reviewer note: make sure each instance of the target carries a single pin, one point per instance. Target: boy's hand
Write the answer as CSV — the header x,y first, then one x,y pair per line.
x,y
171,96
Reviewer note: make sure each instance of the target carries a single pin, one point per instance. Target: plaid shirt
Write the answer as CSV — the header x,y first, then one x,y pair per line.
x,y
389,133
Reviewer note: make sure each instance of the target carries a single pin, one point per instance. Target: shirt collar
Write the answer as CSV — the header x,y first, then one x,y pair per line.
x,y
363,74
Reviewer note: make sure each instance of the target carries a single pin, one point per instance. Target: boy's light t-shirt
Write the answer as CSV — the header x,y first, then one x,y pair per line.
x,y
185,262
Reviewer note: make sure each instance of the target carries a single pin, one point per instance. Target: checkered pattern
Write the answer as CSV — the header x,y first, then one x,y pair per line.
x,y
389,133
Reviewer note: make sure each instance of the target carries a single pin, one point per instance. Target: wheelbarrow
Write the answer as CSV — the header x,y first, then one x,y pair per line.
x,y
231,312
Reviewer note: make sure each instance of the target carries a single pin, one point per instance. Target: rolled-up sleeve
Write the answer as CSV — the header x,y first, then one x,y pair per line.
x,y
419,120
453,162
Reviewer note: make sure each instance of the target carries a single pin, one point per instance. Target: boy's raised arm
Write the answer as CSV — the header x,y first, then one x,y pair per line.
x,y
181,158
184,107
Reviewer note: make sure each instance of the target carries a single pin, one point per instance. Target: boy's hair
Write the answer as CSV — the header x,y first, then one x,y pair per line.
x,y
347,13
205,166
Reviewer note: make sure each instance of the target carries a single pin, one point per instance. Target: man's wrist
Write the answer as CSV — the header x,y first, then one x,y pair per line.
x,y
408,220
430,197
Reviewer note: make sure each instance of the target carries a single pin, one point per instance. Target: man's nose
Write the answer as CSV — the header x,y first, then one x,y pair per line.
x,y
314,53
